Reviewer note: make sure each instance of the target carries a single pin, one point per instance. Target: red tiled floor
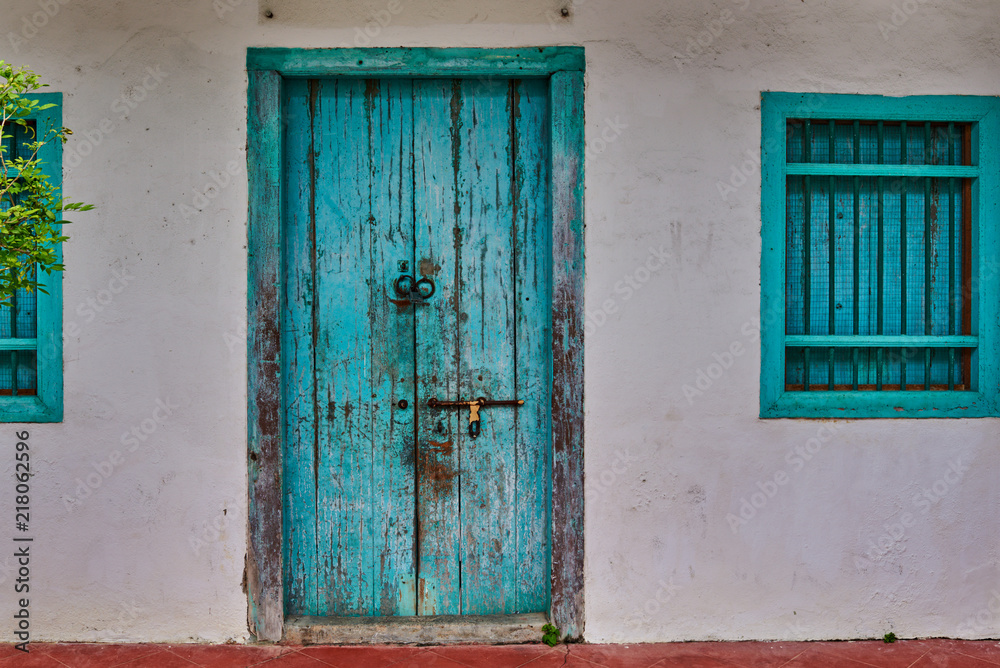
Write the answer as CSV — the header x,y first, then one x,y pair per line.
x,y
818,656
228,656
88,655
295,660
766,655
859,654
951,661
872,652
428,659
985,650
160,659
551,660
506,656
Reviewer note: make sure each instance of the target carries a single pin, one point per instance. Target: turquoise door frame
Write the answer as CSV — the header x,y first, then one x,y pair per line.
x,y
563,69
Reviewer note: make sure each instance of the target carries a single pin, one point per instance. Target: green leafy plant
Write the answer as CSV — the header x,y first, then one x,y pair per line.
x,y
550,635
889,637
30,210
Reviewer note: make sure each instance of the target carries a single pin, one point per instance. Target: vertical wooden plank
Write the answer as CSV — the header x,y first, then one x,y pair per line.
x,y
342,330
533,421
391,556
264,569
566,94
438,211
487,347
297,361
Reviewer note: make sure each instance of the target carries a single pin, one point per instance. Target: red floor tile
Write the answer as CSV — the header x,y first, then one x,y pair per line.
x,y
8,650
691,661
817,656
614,656
757,654
505,656
939,660
94,655
550,660
294,659
987,650
427,659
899,654
351,656
228,656
159,659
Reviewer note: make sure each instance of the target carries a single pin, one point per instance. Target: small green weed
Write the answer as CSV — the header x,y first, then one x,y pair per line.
x,y
550,635
889,637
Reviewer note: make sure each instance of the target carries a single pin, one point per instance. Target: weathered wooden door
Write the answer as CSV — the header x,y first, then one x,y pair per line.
x,y
391,507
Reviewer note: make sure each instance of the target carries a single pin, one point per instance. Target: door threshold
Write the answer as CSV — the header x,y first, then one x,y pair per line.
x,y
431,630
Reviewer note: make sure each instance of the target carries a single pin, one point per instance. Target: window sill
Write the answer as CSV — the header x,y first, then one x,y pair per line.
x,y
874,404
28,409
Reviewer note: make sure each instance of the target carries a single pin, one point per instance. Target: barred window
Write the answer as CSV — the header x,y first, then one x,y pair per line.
x,y
31,325
885,208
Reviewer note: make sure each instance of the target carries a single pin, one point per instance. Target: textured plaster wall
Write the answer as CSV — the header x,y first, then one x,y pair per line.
x,y
156,91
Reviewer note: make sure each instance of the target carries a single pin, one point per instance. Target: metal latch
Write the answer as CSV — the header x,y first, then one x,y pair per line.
x,y
474,406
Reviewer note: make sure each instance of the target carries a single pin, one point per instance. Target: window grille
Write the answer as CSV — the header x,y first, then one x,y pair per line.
x,y
880,257
18,321
878,260
31,325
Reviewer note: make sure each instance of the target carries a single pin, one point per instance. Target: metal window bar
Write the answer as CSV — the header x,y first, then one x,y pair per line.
x,y
879,263
857,256
927,258
951,256
807,240
832,250
902,251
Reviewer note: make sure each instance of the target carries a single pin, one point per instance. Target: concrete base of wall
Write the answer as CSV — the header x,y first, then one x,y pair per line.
x,y
438,630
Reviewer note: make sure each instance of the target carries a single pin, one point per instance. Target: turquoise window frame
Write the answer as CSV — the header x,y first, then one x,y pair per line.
x,y
47,404
984,114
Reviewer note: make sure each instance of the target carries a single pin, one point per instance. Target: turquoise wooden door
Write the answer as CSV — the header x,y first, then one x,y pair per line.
x,y
391,507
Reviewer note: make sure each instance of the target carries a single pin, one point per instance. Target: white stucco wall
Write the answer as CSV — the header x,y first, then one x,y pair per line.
x,y
156,551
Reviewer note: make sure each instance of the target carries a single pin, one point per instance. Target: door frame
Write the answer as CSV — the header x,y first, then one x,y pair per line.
x,y
266,67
